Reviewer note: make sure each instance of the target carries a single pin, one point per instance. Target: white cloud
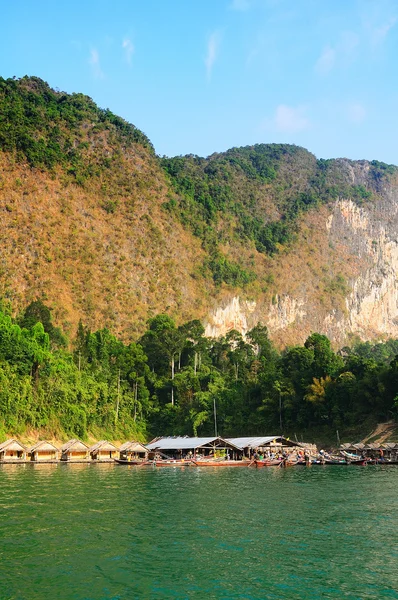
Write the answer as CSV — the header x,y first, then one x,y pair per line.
x,y
212,51
379,34
326,61
356,112
241,5
342,53
94,62
289,119
128,48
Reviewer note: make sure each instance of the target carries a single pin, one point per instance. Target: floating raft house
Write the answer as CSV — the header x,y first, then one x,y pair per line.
x,y
12,451
43,451
178,447
272,442
103,451
74,450
133,450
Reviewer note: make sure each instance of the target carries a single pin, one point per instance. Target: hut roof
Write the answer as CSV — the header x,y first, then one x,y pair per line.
x,y
372,446
189,443
257,442
389,445
74,445
43,445
346,446
103,445
12,444
133,447
358,446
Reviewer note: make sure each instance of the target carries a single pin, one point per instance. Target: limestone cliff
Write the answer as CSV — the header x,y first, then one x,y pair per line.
x,y
364,237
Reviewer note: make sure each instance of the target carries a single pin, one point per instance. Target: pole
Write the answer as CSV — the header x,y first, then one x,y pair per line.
x,y
280,411
215,417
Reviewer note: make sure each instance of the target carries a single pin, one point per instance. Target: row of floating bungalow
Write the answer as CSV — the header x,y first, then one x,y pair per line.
x,y
13,451
173,448
183,448
387,451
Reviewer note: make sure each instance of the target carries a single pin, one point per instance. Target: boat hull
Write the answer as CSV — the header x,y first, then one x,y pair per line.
x,y
123,461
170,463
266,463
221,463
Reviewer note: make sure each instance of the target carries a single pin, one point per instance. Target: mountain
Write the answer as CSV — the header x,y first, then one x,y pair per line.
x,y
102,230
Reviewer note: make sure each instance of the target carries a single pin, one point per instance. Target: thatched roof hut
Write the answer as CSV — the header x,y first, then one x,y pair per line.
x,y
43,451
11,450
133,449
74,450
103,450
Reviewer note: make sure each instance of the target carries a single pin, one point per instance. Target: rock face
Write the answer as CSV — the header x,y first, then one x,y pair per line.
x,y
365,233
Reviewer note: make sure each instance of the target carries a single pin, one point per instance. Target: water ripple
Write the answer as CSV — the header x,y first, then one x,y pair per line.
x,y
79,532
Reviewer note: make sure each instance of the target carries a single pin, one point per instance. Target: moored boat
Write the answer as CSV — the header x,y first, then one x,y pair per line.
x,y
266,463
133,462
214,462
164,462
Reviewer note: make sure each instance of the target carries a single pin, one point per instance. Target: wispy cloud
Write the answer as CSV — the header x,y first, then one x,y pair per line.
x,y
129,49
94,62
356,113
380,33
341,53
290,119
325,62
212,52
240,5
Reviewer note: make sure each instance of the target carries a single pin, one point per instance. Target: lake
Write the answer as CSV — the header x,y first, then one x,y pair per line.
x,y
99,532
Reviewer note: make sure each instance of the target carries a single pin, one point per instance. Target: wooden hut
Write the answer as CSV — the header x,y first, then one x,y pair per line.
x,y
186,447
103,451
12,450
133,451
390,450
74,450
271,443
43,452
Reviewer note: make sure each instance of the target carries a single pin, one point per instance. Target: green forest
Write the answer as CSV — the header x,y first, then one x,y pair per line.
x,y
170,380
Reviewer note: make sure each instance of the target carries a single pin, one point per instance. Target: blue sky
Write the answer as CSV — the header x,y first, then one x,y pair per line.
x,y
201,76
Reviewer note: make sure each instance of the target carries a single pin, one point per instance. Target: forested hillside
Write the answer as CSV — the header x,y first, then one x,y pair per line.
x,y
104,231
112,260
168,381
254,197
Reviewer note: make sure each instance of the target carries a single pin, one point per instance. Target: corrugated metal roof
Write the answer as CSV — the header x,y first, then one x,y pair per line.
x,y
183,443
253,442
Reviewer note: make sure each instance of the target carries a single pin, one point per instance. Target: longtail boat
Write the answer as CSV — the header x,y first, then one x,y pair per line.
x,y
266,463
214,462
133,462
164,462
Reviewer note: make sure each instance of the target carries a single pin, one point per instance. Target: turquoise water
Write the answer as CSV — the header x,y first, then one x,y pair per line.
x,y
113,532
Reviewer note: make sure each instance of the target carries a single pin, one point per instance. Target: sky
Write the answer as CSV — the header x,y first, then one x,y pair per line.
x,y
202,76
